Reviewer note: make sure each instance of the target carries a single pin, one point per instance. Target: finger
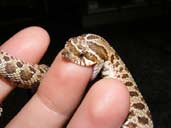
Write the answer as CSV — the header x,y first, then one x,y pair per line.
x,y
105,106
57,96
29,45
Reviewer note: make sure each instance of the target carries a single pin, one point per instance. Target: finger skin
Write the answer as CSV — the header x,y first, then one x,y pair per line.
x,y
29,45
57,97
105,106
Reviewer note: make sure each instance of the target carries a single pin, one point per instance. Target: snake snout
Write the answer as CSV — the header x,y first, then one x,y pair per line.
x,y
65,54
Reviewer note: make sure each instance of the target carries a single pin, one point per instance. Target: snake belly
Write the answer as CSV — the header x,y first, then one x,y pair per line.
x,y
84,50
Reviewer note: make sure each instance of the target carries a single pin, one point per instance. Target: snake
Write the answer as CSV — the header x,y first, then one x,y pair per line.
x,y
84,50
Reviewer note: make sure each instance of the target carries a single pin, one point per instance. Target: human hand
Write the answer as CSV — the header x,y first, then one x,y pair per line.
x,y
57,102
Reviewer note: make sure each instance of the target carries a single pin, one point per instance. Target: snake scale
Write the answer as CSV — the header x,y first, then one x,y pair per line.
x,y
84,50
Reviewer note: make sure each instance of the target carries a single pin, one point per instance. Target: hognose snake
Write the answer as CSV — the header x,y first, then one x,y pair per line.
x,y
84,50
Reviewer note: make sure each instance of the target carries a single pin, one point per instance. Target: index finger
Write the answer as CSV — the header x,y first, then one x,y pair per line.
x,y
29,45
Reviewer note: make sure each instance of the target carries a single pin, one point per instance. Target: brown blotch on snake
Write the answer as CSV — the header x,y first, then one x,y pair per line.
x,y
10,68
131,125
116,64
138,106
125,76
19,64
90,56
143,120
131,113
6,58
133,93
112,58
128,83
33,70
99,50
26,75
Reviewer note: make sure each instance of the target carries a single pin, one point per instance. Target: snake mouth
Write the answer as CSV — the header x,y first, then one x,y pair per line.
x,y
68,56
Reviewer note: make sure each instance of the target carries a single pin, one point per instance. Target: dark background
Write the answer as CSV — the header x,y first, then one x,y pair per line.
x,y
138,29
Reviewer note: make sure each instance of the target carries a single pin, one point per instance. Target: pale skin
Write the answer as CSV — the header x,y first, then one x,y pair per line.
x,y
56,104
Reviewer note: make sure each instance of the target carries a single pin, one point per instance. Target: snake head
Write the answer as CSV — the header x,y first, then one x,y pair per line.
x,y
77,51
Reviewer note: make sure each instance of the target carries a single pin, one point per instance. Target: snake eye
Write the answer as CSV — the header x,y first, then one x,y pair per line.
x,y
81,54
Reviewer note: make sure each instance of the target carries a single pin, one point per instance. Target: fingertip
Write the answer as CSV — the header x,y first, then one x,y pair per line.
x,y
106,105
110,102
28,44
